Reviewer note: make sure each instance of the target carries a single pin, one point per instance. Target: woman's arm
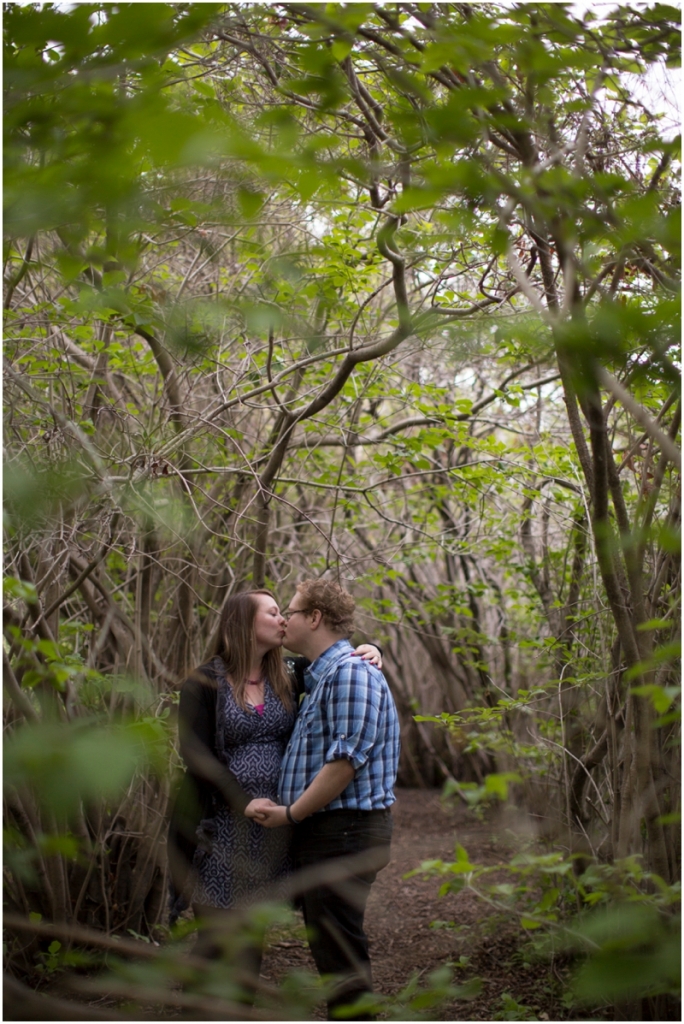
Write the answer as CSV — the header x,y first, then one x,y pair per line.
x,y
197,734
370,652
298,666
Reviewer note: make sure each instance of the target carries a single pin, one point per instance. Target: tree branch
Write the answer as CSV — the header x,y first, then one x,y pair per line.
x,y
667,445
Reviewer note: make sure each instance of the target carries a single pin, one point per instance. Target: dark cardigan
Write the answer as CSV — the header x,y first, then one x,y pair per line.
x,y
207,779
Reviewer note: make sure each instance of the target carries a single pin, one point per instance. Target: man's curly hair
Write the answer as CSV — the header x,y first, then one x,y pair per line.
x,y
335,604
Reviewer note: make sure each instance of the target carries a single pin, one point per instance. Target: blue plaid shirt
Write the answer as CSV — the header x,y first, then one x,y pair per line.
x,y
347,712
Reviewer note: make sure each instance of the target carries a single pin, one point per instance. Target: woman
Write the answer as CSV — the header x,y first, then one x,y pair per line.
x,y
236,714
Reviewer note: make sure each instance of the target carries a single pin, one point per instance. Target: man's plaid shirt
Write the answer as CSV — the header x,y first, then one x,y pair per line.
x,y
347,712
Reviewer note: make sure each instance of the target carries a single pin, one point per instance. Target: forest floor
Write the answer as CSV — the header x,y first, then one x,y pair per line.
x,y
401,911
512,984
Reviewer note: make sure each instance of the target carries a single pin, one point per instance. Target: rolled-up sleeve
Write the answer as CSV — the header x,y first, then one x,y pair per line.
x,y
353,714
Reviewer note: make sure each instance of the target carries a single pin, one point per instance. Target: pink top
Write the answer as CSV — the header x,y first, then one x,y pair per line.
x,y
259,708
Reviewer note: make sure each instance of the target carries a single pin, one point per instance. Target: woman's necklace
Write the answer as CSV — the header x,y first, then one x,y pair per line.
x,y
256,698
258,693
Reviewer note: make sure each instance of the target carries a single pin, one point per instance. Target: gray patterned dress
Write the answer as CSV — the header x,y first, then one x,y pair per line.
x,y
238,860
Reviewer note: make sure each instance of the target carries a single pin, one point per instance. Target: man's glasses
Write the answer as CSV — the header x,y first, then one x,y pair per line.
x,y
296,611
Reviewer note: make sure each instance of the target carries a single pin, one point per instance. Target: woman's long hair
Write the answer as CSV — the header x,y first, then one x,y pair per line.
x,y
236,644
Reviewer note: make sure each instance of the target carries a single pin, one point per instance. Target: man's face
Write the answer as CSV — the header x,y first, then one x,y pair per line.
x,y
298,627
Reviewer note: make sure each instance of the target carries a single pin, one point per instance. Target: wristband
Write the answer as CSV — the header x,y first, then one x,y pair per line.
x,y
290,818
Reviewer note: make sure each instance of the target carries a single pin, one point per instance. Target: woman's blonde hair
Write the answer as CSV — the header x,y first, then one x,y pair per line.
x,y
236,645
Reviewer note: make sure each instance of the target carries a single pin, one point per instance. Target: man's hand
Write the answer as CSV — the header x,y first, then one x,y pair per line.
x,y
369,652
273,817
257,809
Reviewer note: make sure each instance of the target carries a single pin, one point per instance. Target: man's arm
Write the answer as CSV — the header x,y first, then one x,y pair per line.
x,y
332,780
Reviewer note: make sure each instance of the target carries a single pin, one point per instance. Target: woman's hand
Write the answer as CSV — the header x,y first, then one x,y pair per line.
x,y
274,817
257,809
369,652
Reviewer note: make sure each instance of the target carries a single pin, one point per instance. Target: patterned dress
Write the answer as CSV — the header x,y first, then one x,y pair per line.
x,y
238,861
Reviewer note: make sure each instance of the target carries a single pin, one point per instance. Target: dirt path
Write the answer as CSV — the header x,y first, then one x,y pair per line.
x,y
399,917
401,910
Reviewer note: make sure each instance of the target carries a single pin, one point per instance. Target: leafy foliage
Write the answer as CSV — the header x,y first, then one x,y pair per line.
x,y
384,291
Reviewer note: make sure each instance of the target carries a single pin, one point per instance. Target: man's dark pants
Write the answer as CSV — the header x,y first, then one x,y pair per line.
x,y
334,912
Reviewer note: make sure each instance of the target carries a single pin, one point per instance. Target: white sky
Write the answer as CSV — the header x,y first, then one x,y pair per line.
x,y
660,89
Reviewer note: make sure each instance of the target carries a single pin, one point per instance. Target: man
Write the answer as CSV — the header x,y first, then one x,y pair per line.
x,y
336,782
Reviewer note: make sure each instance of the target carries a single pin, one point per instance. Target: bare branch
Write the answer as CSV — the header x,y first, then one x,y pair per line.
x,y
667,445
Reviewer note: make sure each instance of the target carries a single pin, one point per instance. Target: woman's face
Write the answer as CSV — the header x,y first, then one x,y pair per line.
x,y
269,625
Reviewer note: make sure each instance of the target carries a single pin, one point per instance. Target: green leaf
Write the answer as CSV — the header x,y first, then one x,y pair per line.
x,y
498,784
250,202
20,589
341,48
653,624
662,697
638,953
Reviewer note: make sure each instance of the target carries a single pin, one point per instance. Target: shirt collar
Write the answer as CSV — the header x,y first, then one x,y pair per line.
x,y
318,668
